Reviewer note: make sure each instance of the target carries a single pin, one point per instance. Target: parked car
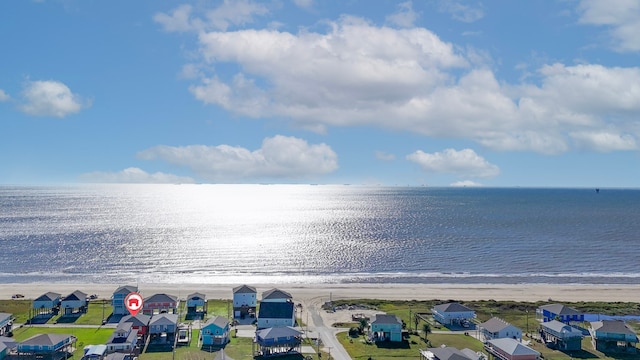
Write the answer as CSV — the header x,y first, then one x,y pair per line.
x,y
17,296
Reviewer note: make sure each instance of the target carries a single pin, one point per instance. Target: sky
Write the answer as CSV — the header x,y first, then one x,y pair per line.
x,y
402,93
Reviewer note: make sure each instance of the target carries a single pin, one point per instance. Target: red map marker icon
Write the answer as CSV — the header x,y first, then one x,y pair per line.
x,y
133,303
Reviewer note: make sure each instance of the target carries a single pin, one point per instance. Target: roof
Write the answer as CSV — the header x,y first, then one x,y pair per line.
x,y
275,294
50,296
277,332
218,321
163,298
7,342
45,339
386,319
138,320
164,319
451,307
124,326
95,349
5,317
448,353
612,326
512,347
276,310
244,289
196,296
560,309
126,289
561,328
75,296
494,324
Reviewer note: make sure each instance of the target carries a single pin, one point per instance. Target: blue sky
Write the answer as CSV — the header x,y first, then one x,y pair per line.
x,y
430,92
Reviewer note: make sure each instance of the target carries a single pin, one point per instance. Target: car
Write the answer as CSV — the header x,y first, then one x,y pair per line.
x,y
93,297
17,296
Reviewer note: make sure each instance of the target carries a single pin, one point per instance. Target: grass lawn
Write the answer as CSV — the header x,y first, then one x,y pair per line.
x,y
94,315
86,336
19,309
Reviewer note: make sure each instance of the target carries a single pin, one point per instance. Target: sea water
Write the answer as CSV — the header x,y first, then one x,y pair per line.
x,y
229,234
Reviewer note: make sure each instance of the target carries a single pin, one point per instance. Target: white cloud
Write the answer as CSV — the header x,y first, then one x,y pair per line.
x,y
4,96
229,13
279,157
604,141
622,17
450,161
462,12
465,183
135,175
305,4
384,156
405,16
50,98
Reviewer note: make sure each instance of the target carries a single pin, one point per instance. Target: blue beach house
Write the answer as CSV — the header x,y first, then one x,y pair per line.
x,y
46,345
6,322
452,314
275,314
386,327
613,336
558,312
117,300
46,304
215,332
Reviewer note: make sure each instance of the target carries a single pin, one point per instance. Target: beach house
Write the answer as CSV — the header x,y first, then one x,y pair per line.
x,y
510,349
558,312
140,323
496,328
76,302
117,299
47,346
613,336
6,322
215,332
123,339
7,345
163,324
244,301
385,327
276,314
196,303
275,295
46,304
560,336
160,303
449,353
453,314
277,341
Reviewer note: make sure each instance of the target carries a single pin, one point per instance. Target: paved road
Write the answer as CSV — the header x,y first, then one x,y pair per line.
x,y
328,336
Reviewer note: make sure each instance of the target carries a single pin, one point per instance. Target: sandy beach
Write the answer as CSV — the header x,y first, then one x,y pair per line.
x,y
322,292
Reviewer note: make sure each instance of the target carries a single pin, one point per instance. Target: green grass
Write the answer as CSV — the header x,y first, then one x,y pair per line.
x,y
86,336
94,314
19,309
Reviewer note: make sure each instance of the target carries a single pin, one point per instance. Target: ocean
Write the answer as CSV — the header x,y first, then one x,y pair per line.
x,y
287,234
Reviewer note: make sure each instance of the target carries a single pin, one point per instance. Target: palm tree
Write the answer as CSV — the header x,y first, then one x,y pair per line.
x,y
363,324
426,330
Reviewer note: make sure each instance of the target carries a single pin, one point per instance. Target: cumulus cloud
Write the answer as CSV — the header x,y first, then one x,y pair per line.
x,y
356,73
450,161
229,13
4,96
405,16
50,98
279,157
465,183
462,11
604,141
621,17
135,175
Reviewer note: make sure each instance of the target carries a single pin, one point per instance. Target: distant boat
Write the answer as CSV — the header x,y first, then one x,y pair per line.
x,y
597,190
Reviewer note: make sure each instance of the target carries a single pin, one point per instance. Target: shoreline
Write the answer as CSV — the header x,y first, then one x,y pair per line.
x,y
305,292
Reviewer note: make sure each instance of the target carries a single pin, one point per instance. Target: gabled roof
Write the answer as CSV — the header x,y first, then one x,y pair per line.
x,y
7,342
277,332
386,319
275,294
512,347
138,320
276,310
4,317
244,289
164,319
451,307
163,298
50,296
75,296
448,353
45,339
218,321
124,326
494,325
612,326
560,309
126,289
561,328
196,296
